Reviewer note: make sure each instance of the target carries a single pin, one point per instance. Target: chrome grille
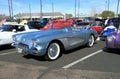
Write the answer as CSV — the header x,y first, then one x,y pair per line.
x,y
22,46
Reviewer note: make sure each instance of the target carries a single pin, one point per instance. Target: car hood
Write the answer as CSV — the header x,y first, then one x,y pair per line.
x,y
26,37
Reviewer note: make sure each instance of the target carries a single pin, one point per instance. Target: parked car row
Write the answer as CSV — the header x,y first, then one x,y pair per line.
x,y
51,43
11,28
51,38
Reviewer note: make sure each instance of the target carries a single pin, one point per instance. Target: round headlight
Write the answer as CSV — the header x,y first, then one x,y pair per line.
x,y
34,42
14,38
31,42
110,38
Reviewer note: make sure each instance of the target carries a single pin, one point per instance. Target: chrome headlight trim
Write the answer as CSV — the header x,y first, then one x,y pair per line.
x,y
110,38
34,43
14,38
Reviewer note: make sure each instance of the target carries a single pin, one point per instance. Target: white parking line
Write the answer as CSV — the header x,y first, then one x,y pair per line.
x,y
7,53
82,59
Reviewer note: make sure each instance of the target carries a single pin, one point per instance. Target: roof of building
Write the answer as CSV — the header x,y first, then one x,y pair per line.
x,y
38,14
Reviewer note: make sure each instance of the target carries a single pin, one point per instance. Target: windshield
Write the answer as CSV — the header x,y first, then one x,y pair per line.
x,y
12,27
36,24
82,23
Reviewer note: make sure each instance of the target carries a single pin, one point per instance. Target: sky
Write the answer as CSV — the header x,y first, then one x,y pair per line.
x,y
63,6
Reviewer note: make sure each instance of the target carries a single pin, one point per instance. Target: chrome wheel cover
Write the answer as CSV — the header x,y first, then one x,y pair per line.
x,y
53,51
91,41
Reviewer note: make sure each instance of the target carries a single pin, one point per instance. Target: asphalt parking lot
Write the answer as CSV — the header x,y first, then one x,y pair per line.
x,y
81,63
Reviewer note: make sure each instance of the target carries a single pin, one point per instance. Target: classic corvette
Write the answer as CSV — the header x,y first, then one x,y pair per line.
x,y
6,32
51,43
113,40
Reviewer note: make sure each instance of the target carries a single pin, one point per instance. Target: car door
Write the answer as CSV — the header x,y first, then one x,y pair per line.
x,y
75,37
14,30
6,37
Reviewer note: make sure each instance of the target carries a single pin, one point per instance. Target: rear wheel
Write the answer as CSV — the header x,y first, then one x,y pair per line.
x,y
53,51
91,41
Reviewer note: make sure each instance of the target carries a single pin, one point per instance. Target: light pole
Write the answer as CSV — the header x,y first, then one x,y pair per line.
x,y
12,9
78,7
41,16
105,4
75,8
9,8
108,4
30,12
117,8
52,9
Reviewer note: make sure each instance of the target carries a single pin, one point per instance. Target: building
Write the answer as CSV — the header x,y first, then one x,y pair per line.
x,y
38,15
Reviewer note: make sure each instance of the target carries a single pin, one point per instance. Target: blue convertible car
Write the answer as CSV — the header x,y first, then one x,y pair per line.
x,y
51,43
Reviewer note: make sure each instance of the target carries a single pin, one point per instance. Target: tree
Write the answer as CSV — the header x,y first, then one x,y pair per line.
x,y
106,14
2,16
97,15
69,15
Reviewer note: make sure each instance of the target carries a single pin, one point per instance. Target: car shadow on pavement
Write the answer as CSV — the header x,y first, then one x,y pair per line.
x,y
4,47
38,58
78,48
114,51
75,49
41,58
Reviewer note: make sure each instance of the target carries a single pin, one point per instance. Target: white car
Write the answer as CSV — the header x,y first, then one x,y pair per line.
x,y
7,30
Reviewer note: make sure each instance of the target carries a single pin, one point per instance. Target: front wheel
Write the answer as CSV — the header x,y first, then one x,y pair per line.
x,y
91,41
53,51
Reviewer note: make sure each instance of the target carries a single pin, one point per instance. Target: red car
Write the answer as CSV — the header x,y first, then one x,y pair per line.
x,y
97,26
58,24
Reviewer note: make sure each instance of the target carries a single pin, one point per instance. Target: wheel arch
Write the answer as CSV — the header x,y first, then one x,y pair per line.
x,y
61,49
93,35
88,39
59,42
